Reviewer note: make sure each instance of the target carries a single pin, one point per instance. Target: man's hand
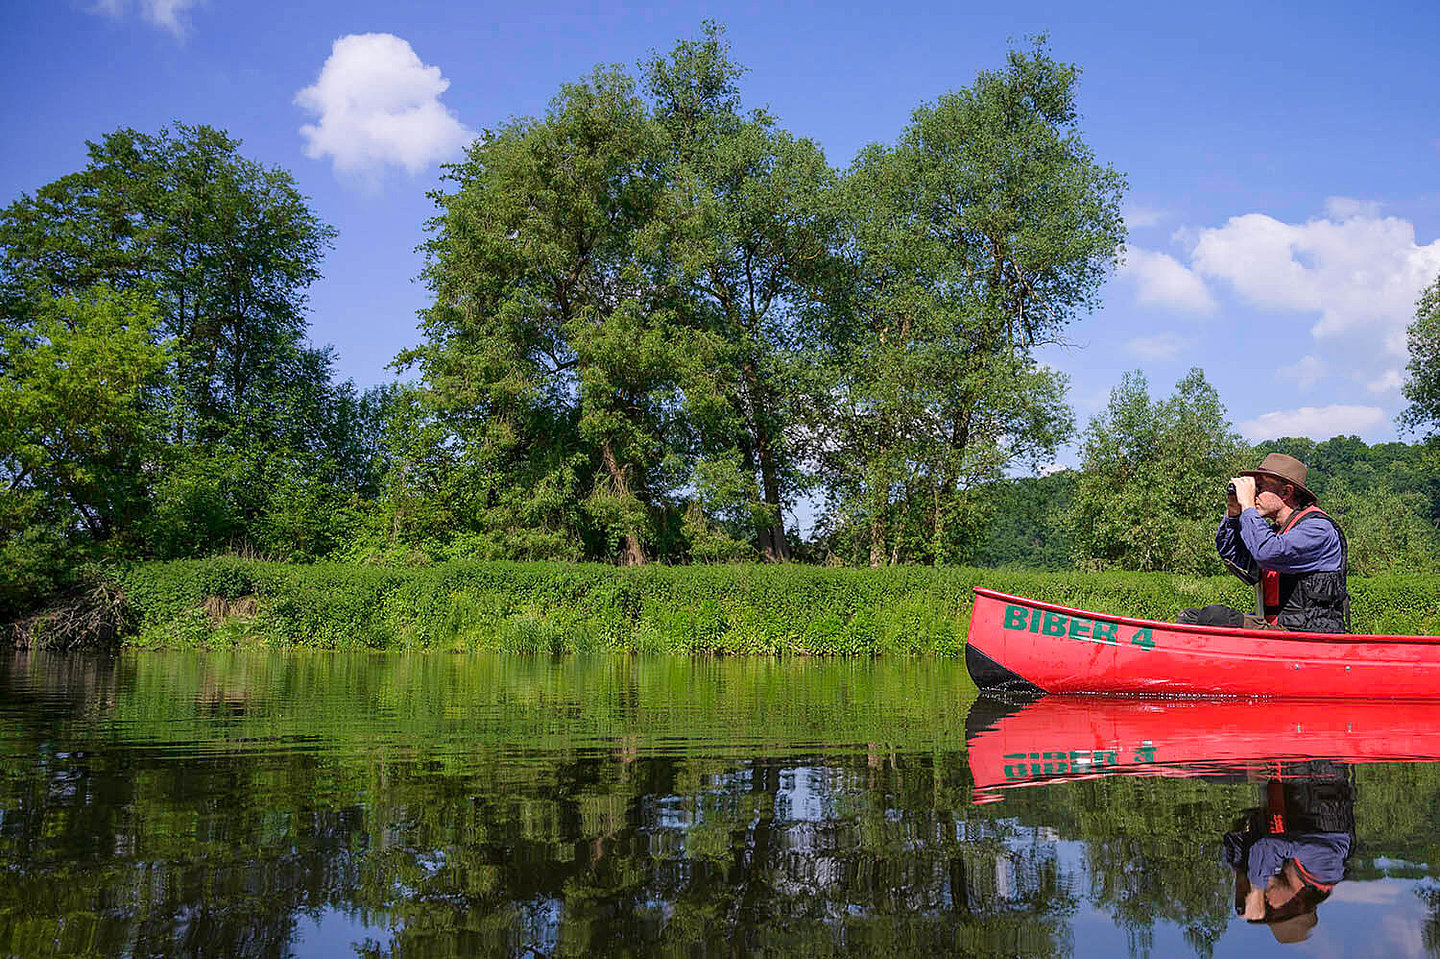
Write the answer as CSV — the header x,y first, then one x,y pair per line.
x,y
1244,497
1255,904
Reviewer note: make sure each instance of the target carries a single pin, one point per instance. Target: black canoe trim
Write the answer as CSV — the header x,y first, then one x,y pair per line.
x,y
991,677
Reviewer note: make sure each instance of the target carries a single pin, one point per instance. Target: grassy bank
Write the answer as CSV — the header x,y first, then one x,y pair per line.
x,y
556,608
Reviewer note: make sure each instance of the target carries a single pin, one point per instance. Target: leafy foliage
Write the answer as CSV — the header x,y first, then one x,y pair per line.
x,y
1149,494
159,396
80,434
980,235
734,609
670,312
1422,388
1027,528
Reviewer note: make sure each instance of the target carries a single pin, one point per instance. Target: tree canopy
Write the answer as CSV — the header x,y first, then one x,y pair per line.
x,y
673,312
981,234
1422,388
1150,490
157,384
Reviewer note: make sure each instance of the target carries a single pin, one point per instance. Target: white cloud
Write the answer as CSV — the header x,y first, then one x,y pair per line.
x,y
378,104
1161,280
1304,374
1391,379
1162,346
1359,271
167,14
1345,207
1318,423
1138,216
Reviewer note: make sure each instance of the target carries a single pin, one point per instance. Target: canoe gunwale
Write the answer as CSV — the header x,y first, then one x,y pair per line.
x,y
1270,634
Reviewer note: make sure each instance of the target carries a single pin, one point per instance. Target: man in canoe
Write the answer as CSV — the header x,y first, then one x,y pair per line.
x,y
1278,540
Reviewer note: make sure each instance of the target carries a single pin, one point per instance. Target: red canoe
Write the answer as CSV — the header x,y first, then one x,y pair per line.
x,y
1026,646
1063,738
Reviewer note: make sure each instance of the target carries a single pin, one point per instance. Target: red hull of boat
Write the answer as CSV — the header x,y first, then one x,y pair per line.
x,y
1060,738
1040,647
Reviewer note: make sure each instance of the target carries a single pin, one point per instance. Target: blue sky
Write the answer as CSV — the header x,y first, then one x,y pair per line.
x,y
1283,158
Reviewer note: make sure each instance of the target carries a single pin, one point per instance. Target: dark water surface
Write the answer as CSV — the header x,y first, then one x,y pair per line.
x,y
311,804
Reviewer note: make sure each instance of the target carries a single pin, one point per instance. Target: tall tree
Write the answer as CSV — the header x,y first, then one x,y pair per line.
x,y
1422,388
225,246
553,352
80,434
1151,485
747,229
977,238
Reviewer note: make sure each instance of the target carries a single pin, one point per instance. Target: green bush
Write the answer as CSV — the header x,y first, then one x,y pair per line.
x,y
742,609
225,577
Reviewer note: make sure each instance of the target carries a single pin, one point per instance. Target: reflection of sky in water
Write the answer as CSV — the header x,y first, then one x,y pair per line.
x,y
331,932
803,792
540,926
1376,918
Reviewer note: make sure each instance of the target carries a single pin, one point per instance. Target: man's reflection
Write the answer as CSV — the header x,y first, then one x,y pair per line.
x,y
1289,854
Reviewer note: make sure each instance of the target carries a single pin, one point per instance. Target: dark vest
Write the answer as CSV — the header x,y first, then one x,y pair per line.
x,y
1313,602
1319,799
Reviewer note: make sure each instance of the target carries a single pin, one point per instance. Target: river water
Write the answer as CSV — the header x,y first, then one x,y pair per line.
x,y
318,804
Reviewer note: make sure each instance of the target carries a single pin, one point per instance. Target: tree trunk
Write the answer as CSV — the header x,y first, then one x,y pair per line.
x,y
772,541
877,540
632,553
778,549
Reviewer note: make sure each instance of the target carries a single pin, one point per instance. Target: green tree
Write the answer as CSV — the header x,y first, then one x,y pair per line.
x,y
224,245
978,237
553,354
1386,531
1422,388
80,434
1150,490
224,248
747,231
1027,529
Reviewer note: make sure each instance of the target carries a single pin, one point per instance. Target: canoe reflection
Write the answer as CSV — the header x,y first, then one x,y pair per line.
x,y
1059,738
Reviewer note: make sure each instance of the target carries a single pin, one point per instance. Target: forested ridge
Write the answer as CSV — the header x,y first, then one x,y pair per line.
x,y
659,321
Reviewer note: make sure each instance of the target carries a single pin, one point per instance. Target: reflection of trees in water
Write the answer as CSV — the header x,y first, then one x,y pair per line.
x,y
728,863
1429,894
1150,851
561,832
120,851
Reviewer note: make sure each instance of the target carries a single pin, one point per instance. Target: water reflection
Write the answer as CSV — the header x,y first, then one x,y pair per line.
x,y
1059,738
263,804
1289,854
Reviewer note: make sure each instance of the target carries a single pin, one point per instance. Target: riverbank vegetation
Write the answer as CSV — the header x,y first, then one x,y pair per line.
x,y
566,608
661,326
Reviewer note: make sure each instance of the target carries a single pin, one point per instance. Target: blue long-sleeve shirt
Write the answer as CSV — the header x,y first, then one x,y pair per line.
x,y
1308,547
1322,855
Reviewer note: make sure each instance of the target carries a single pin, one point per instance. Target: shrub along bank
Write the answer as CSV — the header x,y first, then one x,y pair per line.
x,y
740,609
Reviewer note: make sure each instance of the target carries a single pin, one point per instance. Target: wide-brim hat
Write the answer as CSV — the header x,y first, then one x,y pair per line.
x,y
1287,469
1295,928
